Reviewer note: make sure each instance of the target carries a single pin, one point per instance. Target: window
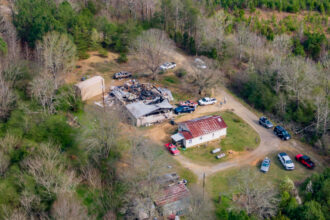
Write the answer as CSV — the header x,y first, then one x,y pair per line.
x,y
189,141
201,138
212,134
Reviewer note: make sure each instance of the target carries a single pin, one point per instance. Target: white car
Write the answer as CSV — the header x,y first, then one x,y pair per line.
x,y
207,101
265,165
167,66
200,63
286,161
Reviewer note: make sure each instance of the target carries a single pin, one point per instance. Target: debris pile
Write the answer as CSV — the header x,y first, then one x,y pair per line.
x,y
134,91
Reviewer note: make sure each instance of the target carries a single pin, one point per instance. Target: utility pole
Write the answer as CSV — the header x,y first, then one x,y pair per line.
x,y
103,95
203,185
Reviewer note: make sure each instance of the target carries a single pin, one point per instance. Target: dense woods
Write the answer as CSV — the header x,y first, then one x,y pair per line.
x,y
57,161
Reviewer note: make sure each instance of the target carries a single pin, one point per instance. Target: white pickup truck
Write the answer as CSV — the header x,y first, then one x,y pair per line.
x,y
207,101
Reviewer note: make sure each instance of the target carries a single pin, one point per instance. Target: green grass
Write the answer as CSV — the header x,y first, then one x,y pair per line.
x,y
170,80
221,181
240,137
180,96
104,67
187,174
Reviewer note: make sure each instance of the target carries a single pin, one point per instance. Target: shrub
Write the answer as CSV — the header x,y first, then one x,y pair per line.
x,y
122,58
67,100
180,72
103,52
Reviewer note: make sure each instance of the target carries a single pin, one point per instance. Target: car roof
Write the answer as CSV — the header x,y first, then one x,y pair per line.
x,y
280,127
305,157
286,157
283,154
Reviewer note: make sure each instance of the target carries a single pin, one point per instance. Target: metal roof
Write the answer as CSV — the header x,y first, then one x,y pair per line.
x,y
177,137
202,126
172,194
139,109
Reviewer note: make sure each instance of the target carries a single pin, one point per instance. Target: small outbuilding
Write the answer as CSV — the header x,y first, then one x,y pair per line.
x,y
90,88
200,130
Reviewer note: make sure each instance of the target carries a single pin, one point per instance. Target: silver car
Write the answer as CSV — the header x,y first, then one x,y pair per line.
x,y
265,165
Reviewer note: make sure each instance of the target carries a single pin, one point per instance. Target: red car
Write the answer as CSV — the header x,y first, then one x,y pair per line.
x,y
305,160
172,149
189,103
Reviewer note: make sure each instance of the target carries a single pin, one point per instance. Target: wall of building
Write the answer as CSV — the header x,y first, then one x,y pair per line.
x,y
153,118
205,138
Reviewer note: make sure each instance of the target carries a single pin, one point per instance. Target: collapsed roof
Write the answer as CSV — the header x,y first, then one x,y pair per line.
x,y
140,109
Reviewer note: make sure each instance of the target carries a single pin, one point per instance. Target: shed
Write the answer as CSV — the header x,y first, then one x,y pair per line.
x,y
90,88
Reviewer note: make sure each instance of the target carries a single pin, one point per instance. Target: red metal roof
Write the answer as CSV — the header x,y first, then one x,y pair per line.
x,y
171,194
201,126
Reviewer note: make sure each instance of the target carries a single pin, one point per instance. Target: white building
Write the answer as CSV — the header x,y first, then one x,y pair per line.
x,y
90,87
200,130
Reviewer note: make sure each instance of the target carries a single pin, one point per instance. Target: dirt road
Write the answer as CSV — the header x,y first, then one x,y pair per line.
x,y
268,141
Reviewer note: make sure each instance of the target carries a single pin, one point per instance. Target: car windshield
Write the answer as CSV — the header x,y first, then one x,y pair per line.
x,y
267,122
173,148
204,99
288,161
265,164
285,133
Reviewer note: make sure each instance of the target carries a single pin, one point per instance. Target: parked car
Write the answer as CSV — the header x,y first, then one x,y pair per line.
x,y
172,148
286,161
265,122
167,66
281,133
122,74
189,103
200,63
207,101
305,160
184,109
265,165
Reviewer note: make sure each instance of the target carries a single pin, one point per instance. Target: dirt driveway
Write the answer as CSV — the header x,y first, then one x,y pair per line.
x,y
268,141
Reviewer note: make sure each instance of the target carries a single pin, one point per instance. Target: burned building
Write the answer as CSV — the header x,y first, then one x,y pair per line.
x,y
145,103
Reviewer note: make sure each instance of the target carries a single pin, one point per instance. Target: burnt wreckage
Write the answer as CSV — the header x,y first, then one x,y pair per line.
x,y
145,103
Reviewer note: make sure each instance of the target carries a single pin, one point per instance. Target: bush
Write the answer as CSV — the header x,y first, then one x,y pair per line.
x,y
180,72
56,130
67,100
103,52
122,58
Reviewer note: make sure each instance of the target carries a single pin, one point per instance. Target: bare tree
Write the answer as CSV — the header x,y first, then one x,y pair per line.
x,y
150,48
200,205
210,32
68,207
282,44
7,98
101,138
204,78
47,168
43,90
254,196
56,53
17,214
149,163
298,74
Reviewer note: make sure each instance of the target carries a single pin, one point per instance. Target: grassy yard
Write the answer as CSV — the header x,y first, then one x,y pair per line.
x,y
240,137
221,182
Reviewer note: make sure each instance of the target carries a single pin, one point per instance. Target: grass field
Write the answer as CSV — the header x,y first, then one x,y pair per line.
x,y
240,137
221,182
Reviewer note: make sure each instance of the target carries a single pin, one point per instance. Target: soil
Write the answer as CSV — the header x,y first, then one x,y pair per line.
x,y
160,133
